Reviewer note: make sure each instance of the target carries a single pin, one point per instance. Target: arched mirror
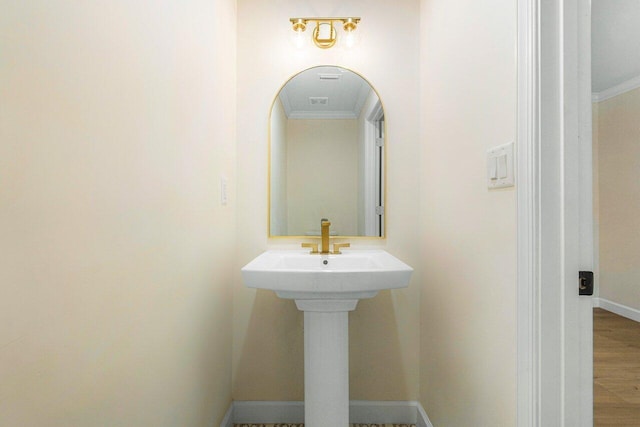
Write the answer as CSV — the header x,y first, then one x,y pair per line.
x,y
327,155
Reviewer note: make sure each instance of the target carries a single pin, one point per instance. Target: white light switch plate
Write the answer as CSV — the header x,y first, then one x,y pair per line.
x,y
223,191
500,173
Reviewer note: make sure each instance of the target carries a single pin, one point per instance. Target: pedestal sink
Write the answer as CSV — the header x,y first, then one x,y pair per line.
x,y
326,288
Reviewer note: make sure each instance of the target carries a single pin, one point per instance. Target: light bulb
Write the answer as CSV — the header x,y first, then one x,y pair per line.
x,y
350,39
297,38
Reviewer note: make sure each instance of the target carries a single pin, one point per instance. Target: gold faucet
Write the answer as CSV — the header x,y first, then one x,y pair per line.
x,y
338,246
324,232
313,246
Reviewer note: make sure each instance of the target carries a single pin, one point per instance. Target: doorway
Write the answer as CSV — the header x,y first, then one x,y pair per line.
x,y
616,148
555,224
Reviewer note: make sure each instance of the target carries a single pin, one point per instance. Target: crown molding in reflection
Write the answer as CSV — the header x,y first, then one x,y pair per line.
x,y
290,101
616,90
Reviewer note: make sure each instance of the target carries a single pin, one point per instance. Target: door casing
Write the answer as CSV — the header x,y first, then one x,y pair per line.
x,y
554,197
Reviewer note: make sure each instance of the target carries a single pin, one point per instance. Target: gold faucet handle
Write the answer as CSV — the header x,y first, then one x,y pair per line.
x,y
313,246
337,246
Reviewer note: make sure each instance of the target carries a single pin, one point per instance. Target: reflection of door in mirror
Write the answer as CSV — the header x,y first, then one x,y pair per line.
x,y
372,173
379,174
327,155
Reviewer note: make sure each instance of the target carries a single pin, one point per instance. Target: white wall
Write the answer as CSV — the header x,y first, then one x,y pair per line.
x,y
116,121
468,233
618,163
384,331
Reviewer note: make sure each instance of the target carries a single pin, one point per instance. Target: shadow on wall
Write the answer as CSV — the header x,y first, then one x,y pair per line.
x,y
271,366
376,370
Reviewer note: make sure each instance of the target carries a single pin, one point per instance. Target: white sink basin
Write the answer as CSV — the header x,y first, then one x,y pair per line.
x,y
354,274
326,288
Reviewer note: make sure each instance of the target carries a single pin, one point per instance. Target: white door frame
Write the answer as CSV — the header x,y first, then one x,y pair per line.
x,y
372,172
555,240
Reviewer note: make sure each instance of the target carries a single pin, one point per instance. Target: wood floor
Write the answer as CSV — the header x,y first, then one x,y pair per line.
x,y
616,370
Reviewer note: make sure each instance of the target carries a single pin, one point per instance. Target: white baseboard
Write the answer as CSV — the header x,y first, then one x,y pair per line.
x,y
423,419
387,412
360,411
227,421
268,412
619,309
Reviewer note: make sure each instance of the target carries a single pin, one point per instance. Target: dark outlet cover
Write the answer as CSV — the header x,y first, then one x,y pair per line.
x,y
585,283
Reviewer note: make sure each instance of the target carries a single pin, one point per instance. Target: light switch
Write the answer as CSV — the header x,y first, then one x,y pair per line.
x,y
493,168
502,166
500,169
223,191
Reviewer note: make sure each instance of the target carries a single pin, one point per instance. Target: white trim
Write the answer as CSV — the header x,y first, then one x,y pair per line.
x,y
619,309
586,235
373,113
616,90
268,412
360,411
552,380
227,421
528,229
387,412
423,418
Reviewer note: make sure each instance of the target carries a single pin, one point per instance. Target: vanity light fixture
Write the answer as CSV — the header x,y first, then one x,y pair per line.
x,y
324,34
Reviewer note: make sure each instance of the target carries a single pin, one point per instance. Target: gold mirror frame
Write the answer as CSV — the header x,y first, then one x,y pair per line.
x,y
385,163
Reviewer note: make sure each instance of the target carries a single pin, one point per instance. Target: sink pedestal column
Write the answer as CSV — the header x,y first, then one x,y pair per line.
x,y
326,361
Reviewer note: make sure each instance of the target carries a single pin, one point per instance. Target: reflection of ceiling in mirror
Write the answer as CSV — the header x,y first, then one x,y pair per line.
x,y
615,34
324,93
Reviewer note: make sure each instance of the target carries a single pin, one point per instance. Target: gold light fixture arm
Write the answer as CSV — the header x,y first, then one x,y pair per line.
x,y
352,21
324,33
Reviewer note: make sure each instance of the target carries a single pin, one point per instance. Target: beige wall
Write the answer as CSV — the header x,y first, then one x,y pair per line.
x,y
384,331
117,119
468,233
619,198
322,175
116,257
278,172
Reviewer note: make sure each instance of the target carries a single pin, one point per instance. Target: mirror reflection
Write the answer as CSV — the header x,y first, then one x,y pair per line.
x,y
327,143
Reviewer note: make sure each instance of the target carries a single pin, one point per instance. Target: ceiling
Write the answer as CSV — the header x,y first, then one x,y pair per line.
x,y
615,41
325,93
